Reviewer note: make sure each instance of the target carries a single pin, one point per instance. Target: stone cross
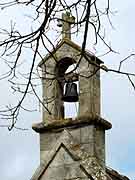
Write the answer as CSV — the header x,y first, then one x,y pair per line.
x,y
67,20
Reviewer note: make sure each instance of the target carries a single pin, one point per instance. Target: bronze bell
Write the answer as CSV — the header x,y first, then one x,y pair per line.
x,y
71,94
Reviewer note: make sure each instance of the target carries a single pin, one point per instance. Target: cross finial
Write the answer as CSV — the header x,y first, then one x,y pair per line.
x,y
67,20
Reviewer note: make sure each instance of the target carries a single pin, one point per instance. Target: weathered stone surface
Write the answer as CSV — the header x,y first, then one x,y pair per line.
x,y
63,167
76,133
67,161
48,139
89,87
83,128
60,124
89,138
100,145
72,149
87,134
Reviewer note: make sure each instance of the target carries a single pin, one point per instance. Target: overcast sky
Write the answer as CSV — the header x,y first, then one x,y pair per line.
x,y
19,150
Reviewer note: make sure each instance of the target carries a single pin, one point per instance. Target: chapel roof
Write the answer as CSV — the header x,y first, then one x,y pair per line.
x,y
115,175
89,164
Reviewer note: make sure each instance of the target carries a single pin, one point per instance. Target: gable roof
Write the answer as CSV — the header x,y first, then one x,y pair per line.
x,y
90,165
63,141
71,44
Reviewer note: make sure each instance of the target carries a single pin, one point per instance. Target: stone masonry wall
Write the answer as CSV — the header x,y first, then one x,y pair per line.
x,y
90,139
89,93
63,167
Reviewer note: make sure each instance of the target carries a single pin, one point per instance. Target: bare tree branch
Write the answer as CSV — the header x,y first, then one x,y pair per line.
x,y
14,43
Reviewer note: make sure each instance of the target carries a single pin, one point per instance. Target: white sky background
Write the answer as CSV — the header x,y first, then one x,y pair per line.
x,y
19,150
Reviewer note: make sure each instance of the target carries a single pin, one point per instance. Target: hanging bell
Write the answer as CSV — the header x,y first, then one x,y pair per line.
x,y
71,94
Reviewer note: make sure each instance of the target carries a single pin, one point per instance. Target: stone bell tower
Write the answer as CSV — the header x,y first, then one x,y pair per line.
x,y
71,148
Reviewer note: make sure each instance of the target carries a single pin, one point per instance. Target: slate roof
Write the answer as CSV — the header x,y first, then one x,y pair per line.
x,y
115,175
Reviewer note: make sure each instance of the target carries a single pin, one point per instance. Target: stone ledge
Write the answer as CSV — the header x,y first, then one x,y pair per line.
x,y
59,125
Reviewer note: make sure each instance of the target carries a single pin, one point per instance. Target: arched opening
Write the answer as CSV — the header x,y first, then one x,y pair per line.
x,y
71,108
67,71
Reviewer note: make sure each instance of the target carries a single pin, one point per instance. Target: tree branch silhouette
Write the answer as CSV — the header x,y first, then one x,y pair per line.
x,y
47,12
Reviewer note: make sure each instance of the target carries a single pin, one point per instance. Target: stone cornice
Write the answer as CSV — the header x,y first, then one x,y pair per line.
x,y
59,125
